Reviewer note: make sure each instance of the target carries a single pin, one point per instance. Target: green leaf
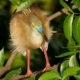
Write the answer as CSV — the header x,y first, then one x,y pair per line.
x,y
67,78
12,73
23,1
63,66
24,5
73,61
64,4
19,61
76,29
15,2
2,58
77,3
67,27
50,75
31,78
71,72
71,43
67,54
77,77
75,46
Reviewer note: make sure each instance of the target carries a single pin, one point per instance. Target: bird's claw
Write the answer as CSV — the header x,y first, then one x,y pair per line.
x,y
28,74
47,67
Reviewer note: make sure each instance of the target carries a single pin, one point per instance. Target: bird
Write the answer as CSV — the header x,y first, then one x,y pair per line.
x,y
30,29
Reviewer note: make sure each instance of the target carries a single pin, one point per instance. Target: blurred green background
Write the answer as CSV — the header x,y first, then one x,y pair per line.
x,y
56,45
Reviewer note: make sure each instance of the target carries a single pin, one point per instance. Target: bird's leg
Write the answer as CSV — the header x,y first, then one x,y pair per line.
x,y
46,58
29,72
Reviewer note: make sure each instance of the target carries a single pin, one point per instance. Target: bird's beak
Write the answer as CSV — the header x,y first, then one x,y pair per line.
x,y
38,28
46,46
33,26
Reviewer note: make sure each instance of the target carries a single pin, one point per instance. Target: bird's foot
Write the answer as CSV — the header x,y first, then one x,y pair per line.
x,y
47,67
29,73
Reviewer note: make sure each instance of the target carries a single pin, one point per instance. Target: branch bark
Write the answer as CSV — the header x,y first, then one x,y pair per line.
x,y
8,64
62,11
20,77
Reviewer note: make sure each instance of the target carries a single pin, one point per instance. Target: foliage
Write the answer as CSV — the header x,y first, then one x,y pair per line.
x,y
2,57
12,73
70,65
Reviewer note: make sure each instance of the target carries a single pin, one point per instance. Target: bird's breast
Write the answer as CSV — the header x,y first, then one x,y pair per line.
x,y
36,39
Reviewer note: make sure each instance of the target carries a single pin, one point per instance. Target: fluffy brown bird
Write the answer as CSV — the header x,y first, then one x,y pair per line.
x,y
29,29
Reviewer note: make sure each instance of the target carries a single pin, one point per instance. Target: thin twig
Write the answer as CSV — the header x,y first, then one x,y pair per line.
x,y
65,11
8,64
57,14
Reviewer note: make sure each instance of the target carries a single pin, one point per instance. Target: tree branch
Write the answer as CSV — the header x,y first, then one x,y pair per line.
x,y
8,64
20,77
62,11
